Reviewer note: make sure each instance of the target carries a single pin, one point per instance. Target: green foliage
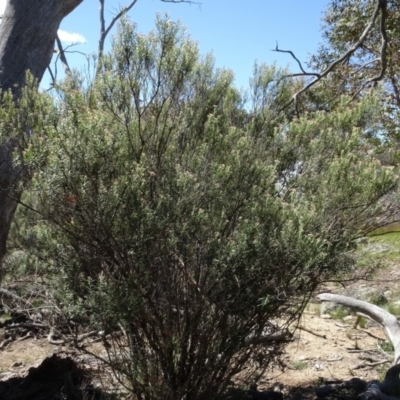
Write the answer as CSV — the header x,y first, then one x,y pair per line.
x,y
383,243
387,346
339,313
169,207
299,365
4,317
393,308
344,22
362,323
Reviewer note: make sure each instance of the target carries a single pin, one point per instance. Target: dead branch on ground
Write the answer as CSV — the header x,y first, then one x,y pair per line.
x,y
389,388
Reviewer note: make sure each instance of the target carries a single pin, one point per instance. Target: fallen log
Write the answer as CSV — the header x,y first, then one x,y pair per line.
x,y
389,389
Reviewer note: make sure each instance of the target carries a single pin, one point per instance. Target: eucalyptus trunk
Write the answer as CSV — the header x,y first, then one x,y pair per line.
x,y
27,34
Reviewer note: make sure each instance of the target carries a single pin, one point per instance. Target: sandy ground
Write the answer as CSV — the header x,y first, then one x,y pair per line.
x,y
333,351
323,350
343,354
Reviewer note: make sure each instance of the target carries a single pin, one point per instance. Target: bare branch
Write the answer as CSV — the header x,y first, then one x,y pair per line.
x,y
384,39
53,78
389,322
396,90
63,59
102,29
14,296
388,389
303,71
105,31
380,9
364,65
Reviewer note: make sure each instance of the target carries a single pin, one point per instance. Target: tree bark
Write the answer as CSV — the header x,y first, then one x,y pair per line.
x,y
27,34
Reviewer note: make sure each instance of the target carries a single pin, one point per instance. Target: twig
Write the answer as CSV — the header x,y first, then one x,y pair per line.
x,y
8,293
368,364
357,366
63,59
334,359
383,351
361,350
342,325
277,49
374,364
27,336
5,342
50,338
372,360
123,330
25,325
105,31
310,331
372,335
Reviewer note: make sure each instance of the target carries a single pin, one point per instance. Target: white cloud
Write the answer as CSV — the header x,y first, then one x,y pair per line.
x,y
70,37
2,6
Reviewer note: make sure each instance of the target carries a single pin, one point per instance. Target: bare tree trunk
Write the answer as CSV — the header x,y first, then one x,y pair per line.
x,y
27,34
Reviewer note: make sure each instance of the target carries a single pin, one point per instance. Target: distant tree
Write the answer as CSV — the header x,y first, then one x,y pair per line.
x,y
375,63
359,51
365,31
195,223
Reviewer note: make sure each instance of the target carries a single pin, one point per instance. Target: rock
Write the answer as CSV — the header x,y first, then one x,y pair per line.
x,y
326,316
318,366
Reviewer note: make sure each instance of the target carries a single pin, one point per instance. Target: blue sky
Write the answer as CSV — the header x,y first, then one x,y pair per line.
x,y
237,32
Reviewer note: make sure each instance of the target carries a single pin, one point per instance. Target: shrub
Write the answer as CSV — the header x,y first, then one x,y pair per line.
x,y
195,223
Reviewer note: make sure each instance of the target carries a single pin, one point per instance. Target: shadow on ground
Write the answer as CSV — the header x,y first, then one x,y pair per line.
x,y
56,378
347,390
60,378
